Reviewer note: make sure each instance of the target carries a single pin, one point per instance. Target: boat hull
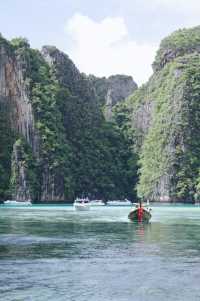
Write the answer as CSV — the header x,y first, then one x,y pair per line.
x,y
118,203
17,203
82,207
134,215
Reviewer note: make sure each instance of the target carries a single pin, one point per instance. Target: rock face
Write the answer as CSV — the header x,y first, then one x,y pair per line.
x,y
164,121
55,143
113,90
16,108
178,44
67,73
21,191
83,98
14,92
71,79
87,133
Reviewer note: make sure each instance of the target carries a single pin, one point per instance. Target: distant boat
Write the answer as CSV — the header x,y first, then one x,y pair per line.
x,y
97,203
12,202
141,213
82,204
119,203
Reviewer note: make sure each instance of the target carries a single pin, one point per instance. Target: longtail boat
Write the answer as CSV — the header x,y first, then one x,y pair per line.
x,y
140,213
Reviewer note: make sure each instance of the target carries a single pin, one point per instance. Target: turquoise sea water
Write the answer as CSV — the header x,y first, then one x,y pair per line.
x,y
55,253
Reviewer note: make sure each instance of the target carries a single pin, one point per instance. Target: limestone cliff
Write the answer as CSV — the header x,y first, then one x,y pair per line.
x,y
20,182
112,90
163,121
15,109
54,141
99,158
20,110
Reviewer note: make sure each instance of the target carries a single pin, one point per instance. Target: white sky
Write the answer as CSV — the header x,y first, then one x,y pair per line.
x,y
102,37
105,47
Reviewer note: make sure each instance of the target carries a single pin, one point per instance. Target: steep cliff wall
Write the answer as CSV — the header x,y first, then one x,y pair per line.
x,y
178,44
164,121
16,110
14,90
100,154
23,92
56,144
54,141
112,90
77,85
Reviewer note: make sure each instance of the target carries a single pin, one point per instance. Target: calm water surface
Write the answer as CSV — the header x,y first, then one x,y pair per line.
x,y
55,253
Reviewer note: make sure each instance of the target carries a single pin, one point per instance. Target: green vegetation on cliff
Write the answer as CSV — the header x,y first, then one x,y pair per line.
x,y
179,43
73,151
163,121
7,138
77,152
100,154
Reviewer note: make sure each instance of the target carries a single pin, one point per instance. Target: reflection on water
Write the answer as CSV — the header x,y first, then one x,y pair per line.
x,y
55,253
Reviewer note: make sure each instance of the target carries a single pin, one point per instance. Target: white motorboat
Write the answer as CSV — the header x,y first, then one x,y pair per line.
x,y
21,203
82,204
97,203
119,203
